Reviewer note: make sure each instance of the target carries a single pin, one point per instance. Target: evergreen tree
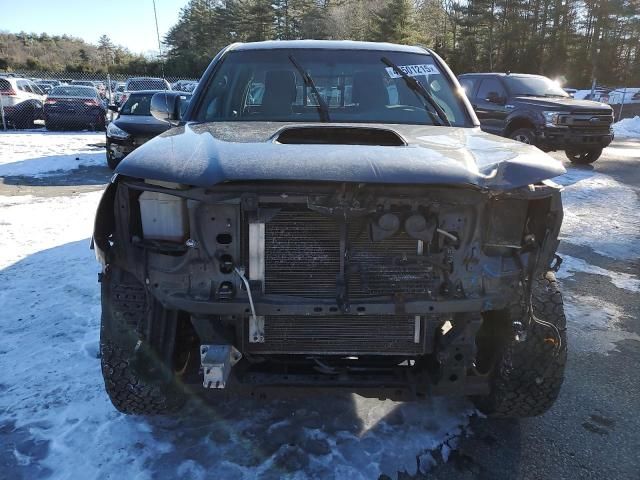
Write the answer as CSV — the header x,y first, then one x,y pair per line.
x,y
394,23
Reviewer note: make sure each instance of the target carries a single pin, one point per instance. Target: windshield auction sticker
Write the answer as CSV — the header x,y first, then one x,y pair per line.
x,y
413,70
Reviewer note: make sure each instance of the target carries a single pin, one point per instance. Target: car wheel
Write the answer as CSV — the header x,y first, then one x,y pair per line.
x,y
140,367
525,375
25,119
583,157
524,135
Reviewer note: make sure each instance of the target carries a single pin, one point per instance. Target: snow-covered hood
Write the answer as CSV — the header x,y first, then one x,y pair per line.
x,y
564,104
206,154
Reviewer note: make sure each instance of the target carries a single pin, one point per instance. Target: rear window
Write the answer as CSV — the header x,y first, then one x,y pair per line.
x,y
137,105
146,84
5,85
71,91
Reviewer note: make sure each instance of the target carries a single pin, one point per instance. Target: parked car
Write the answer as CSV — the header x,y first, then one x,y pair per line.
x,y
22,101
387,246
135,125
625,96
118,91
84,83
99,86
184,86
137,84
535,110
74,107
45,87
598,95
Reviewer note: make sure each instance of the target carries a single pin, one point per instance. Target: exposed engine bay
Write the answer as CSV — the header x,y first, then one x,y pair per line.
x,y
350,284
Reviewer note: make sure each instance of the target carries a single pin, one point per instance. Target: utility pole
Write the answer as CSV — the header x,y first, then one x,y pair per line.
x,y
593,72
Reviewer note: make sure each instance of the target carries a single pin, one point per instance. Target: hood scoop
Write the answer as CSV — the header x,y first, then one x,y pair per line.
x,y
323,135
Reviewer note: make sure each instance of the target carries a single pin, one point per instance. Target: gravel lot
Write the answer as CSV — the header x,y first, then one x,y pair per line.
x,y
55,420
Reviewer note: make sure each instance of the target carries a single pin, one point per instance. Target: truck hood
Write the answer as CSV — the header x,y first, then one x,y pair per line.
x,y
567,104
207,154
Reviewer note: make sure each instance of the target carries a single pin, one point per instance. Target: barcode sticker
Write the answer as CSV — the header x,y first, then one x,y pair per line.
x,y
413,70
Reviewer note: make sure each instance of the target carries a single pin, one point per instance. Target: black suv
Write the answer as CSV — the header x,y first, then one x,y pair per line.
x,y
535,110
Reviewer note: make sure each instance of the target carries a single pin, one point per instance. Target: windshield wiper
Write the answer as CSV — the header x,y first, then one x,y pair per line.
x,y
418,88
323,108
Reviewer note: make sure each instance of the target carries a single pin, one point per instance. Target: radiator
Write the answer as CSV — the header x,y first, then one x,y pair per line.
x,y
342,335
302,257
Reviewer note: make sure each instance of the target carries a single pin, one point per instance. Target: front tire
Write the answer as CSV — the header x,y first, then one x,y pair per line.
x,y
527,375
523,135
25,119
137,346
583,157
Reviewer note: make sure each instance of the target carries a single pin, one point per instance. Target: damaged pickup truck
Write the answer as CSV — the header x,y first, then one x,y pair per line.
x,y
329,214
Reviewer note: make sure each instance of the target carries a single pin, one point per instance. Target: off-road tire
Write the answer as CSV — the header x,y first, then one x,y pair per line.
x,y
583,157
527,375
135,357
523,135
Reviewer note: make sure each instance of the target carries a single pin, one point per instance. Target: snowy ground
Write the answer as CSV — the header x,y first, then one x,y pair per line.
x,y
39,152
627,128
56,421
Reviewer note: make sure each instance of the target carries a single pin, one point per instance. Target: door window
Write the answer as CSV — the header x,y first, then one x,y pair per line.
x,y
24,86
468,85
490,88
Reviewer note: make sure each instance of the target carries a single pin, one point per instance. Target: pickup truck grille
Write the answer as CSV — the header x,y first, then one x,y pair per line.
x,y
302,258
342,335
593,120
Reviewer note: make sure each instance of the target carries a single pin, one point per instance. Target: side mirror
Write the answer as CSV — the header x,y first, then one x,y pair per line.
x,y
494,97
165,106
114,108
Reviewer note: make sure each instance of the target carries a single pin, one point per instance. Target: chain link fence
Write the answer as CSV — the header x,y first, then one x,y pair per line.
x,y
77,101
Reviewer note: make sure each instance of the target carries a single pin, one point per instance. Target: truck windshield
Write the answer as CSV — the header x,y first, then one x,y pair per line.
x,y
356,86
534,86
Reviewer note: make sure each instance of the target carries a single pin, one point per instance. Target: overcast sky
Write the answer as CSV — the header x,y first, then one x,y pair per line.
x,y
129,23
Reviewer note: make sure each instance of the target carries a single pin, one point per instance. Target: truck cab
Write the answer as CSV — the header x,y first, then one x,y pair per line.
x,y
534,109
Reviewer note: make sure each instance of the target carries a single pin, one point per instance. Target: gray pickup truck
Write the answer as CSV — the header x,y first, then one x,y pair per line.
x,y
330,215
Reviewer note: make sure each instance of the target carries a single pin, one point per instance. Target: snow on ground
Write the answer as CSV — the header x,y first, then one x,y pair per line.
x,y
627,128
572,265
36,153
600,213
53,407
596,325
